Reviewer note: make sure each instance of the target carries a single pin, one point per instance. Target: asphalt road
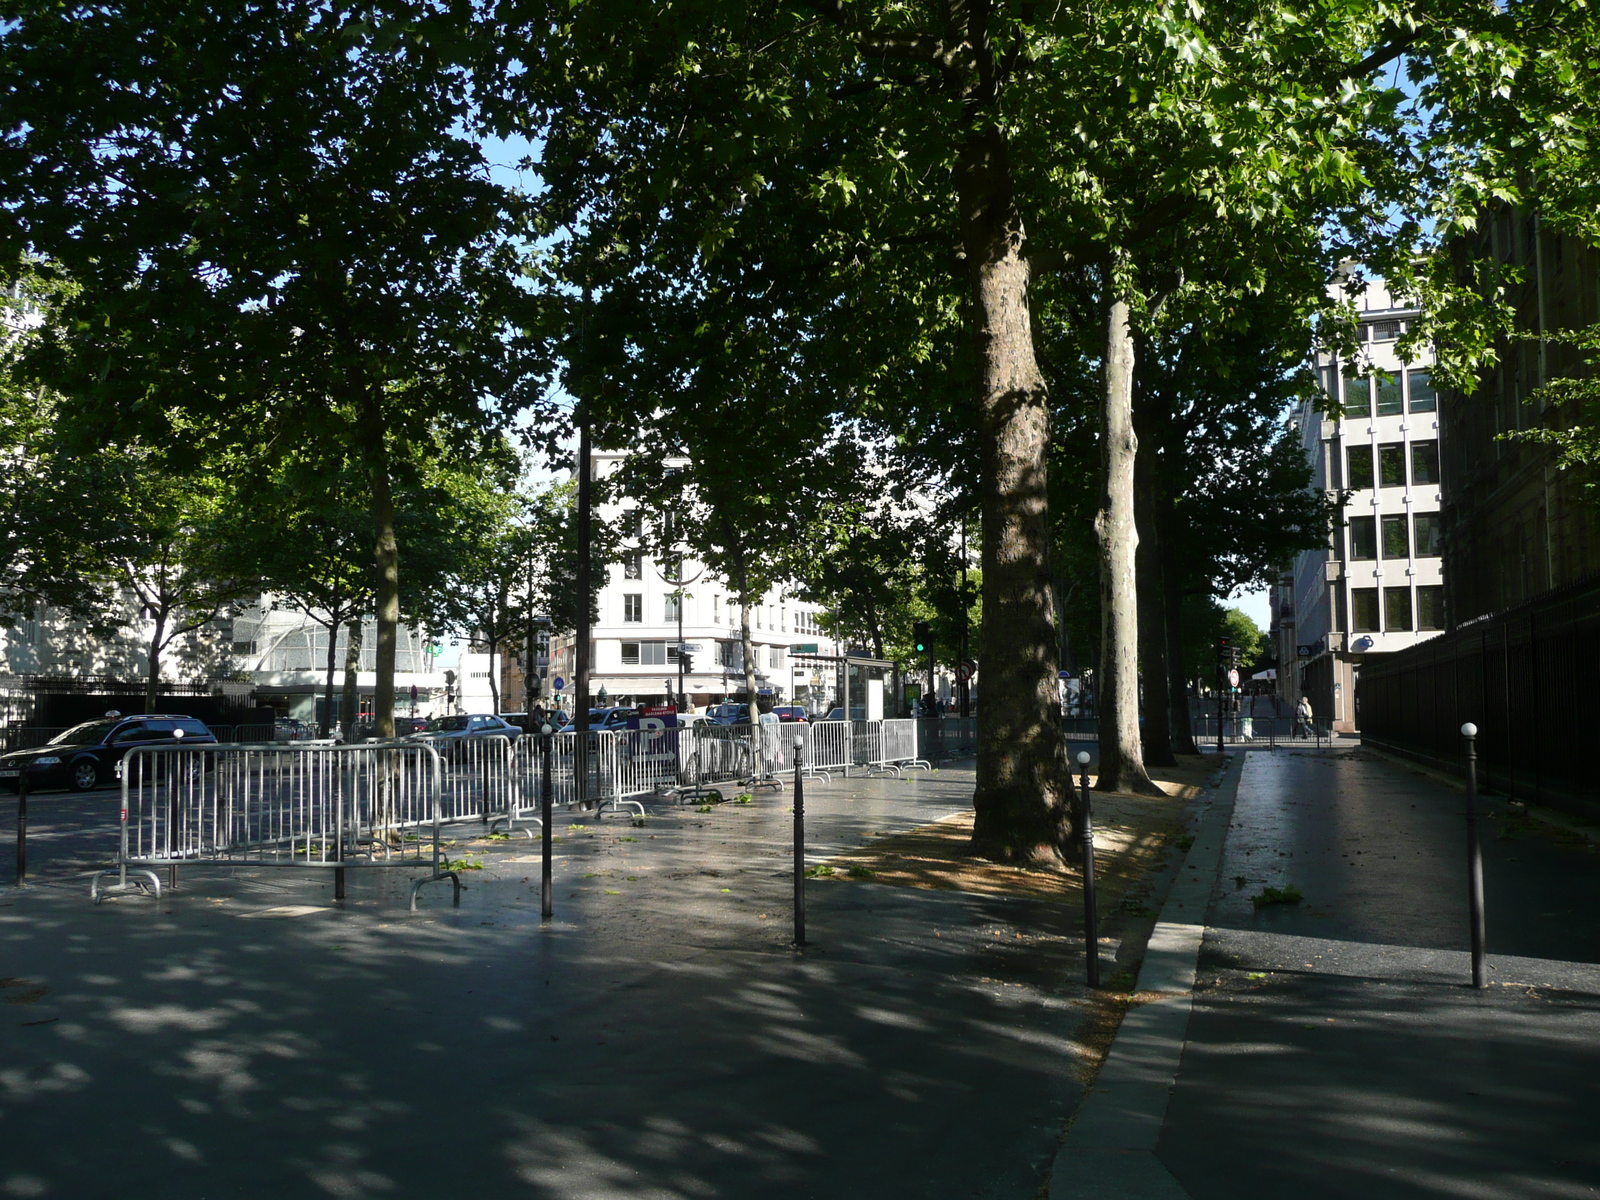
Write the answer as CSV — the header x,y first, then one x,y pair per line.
x,y
1335,1048
660,1039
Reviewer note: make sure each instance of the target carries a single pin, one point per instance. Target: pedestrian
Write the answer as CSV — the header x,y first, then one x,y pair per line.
x,y
1302,717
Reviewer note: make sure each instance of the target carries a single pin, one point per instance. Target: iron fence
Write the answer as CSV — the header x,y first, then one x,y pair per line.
x,y
1526,677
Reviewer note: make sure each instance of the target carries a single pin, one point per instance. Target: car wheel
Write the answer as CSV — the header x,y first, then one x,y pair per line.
x,y
85,774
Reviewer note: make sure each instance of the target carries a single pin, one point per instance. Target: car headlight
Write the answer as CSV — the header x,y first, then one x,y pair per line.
x,y
49,760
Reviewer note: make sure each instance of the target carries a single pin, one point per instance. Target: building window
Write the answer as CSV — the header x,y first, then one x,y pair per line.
x,y
633,523
632,607
1363,538
1424,462
775,658
1427,533
633,566
1430,607
1330,385
1420,385
1397,608
1385,331
1394,538
1363,610
644,654
1357,398
1359,475
671,609
1392,465
1390,401
716,610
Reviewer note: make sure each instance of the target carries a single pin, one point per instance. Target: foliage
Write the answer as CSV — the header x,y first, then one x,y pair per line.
x,y
275,220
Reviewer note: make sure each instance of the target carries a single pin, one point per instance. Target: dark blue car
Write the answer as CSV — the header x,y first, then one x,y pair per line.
x,y
86,755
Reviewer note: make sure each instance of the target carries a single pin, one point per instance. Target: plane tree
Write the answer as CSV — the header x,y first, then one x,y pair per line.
x,y
277,222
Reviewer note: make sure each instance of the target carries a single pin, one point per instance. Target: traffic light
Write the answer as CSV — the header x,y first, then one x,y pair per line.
x,y
920,640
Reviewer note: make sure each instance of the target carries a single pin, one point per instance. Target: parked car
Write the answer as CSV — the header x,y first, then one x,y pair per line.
x,y
792,712
729,714
856,714
450,735
86,756
404,726
604,718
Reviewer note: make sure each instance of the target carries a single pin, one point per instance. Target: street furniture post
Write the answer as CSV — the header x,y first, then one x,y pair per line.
x,y
1475,863
799,848
22,827
546,889
1091,917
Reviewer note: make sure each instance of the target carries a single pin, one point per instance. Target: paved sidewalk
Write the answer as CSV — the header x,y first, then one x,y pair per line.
x,y
1332,1048
248,1038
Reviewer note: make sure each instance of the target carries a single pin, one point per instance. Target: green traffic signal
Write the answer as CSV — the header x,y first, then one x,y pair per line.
x,y
920,640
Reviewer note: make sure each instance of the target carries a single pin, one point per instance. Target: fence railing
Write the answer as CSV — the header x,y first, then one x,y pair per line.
x,y
270,806
1525,677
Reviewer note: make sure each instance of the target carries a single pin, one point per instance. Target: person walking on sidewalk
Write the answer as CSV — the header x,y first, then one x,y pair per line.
x,y
1302,717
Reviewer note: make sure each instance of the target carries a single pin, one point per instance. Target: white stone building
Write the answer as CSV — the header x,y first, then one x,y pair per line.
x,y
1377,587
634,649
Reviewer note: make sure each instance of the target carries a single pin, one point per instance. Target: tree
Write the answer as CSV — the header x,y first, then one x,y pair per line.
x,y
276,218
151,537
882,176
309,547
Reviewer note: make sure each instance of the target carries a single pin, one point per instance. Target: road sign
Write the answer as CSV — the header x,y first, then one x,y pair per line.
x,y
560,683
805,648
435,649
690,647
967,669
413,693
1233,679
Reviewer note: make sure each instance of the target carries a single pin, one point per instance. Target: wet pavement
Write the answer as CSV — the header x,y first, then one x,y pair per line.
x,y
1335,1048
247,1037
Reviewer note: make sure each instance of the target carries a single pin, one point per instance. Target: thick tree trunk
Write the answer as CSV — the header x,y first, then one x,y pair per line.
x,y
1157,737
350,702
1023,792
386,563
1121,757
325,726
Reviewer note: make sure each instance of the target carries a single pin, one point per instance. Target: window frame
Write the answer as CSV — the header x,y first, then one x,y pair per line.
x,y
1397,456
1390,521
633,608
1357,597
1364,528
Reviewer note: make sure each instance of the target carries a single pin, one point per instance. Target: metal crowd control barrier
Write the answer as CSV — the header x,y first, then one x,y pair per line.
x,y
712,755
899,746
480,781
828,748
278,805
585,769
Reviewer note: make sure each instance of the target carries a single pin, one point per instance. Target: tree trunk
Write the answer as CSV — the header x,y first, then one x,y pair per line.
x,y
350,702
152,684
1121,758
1172,610
1157,737
386,563
325,726
494,677
1023,792
749,653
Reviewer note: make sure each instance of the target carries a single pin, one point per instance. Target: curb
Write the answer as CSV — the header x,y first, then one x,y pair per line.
x,y
1109,1150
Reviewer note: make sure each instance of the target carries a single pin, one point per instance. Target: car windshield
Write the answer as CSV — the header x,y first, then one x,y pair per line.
x,y
446,724
88,734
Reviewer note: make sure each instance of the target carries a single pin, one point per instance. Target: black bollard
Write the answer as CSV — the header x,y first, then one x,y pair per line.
x,y
1091,917
546,889
799,850
1475,863
22,827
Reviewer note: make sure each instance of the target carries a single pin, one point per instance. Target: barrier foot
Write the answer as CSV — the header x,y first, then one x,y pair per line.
x,y
815,773
917,764
767,781
617,806
124,886
439,878
511,824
